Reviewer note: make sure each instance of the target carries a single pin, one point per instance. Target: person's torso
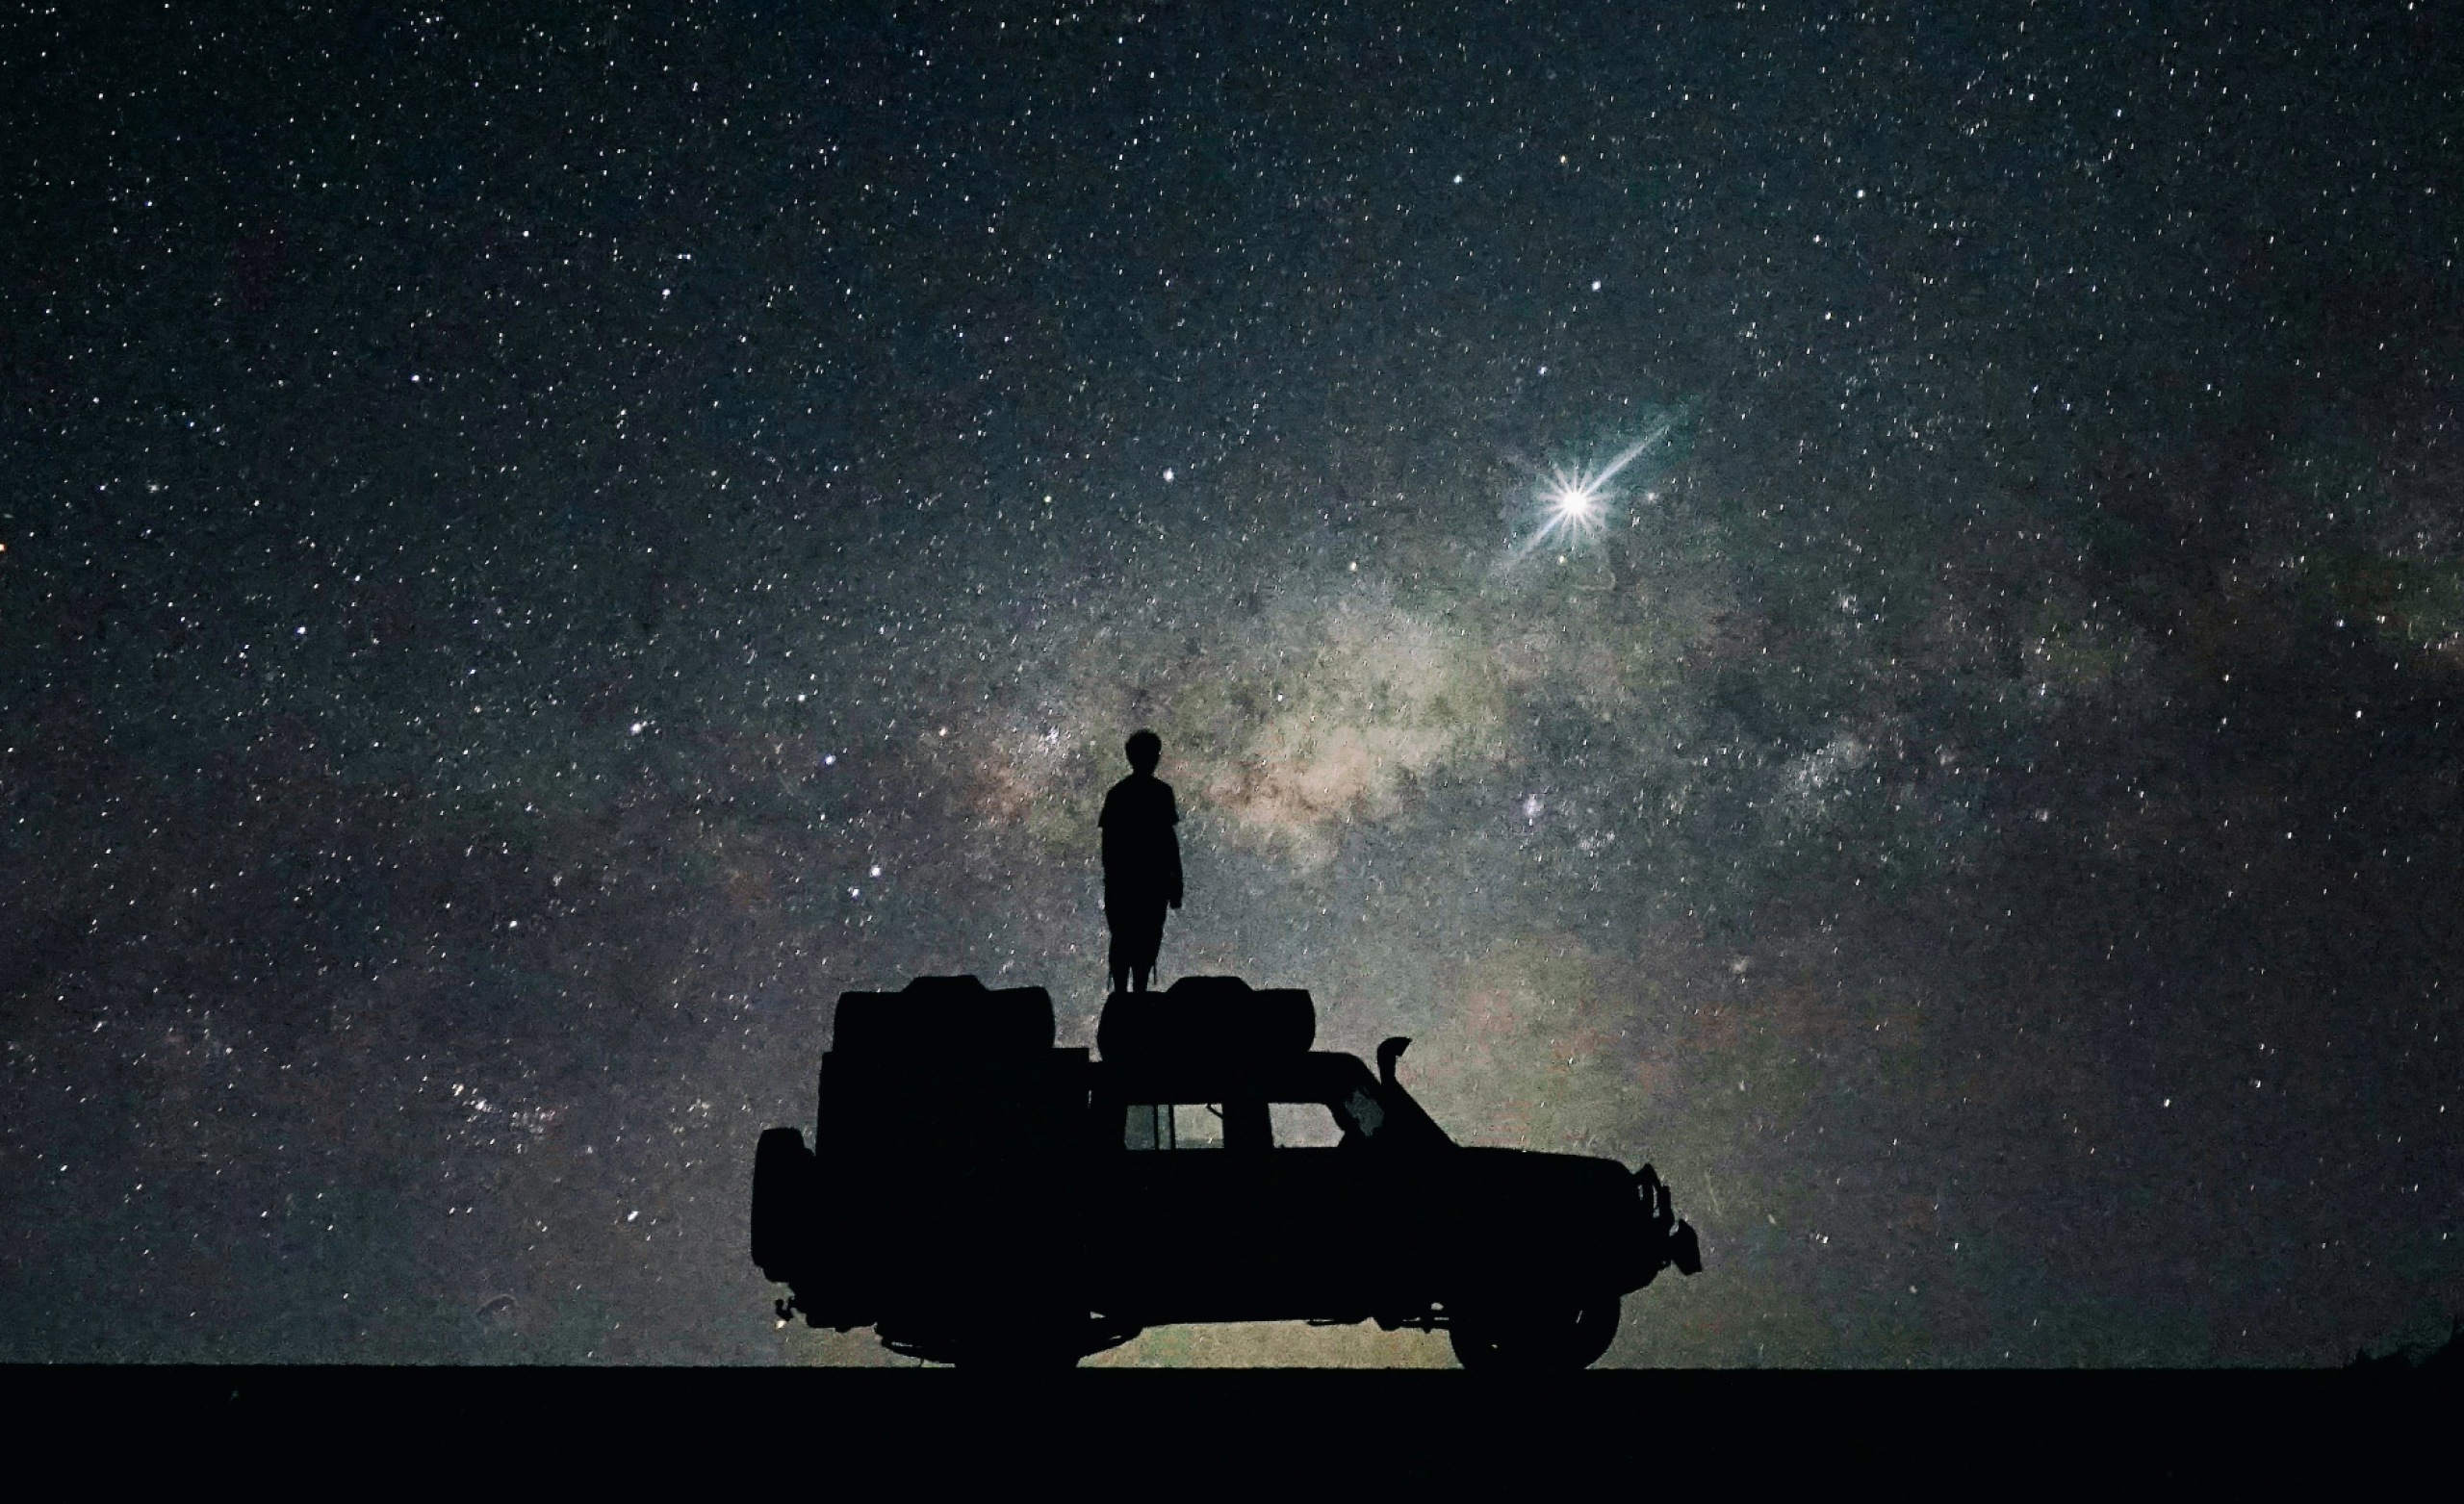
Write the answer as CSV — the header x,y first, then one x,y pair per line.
x,y
1138,819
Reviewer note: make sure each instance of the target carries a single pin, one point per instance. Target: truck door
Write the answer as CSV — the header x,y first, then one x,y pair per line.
x,y
1179,1216
1325,1208
1243,1211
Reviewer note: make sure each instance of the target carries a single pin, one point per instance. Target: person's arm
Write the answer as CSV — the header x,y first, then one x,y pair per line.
x,y
1172,848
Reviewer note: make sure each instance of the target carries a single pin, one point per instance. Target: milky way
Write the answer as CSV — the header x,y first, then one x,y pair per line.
x,y
1865,605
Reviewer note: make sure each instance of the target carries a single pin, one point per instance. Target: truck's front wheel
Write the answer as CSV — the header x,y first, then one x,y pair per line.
x,y
1534,1338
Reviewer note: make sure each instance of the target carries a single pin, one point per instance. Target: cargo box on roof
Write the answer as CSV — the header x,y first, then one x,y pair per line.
x,y
944,1016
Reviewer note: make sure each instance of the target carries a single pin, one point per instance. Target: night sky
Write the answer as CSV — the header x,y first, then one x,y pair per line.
x,y
539,552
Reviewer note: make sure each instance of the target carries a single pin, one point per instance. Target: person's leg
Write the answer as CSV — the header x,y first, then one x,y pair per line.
x,y
1122,949
1149,938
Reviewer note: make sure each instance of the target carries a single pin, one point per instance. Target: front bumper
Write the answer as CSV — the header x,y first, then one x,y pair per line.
x,y
1673,1241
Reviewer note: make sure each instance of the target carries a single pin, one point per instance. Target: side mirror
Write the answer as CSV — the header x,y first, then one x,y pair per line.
x,y
1388,1052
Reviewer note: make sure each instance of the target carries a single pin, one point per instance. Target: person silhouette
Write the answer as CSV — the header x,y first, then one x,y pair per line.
x,y
1141,862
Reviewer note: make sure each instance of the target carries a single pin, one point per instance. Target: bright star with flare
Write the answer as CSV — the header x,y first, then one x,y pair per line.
x,y
1575,503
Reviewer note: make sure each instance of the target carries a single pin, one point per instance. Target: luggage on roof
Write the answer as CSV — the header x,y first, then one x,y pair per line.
x,y
1216,1018
946,1016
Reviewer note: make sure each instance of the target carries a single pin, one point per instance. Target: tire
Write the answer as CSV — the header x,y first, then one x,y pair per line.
x,y
999,1345
1516,1337
1020,1353
782,1204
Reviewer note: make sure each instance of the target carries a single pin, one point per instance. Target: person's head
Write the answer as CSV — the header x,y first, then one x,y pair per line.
x,y
1146,750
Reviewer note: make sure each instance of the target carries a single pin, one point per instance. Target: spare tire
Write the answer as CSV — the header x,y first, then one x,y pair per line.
x,y
783,1205
1217,1019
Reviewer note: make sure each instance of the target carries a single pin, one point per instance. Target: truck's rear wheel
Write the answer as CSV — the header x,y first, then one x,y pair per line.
x,y
782,1204
1534,1338
1003,1344
1022,1352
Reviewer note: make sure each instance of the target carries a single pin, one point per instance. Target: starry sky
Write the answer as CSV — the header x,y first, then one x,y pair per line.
x,y
540,548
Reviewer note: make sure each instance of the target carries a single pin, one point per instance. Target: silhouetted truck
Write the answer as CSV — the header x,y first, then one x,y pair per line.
x,y
977,1196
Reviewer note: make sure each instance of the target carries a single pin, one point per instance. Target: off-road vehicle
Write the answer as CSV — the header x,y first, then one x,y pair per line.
x,y
976,1195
